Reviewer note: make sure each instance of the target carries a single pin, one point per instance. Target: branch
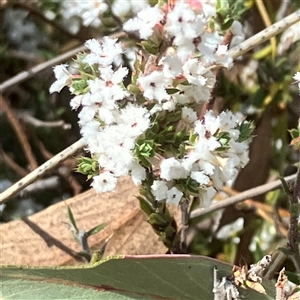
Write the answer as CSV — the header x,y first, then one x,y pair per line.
x,y
50,183
18,128
293,240
241,197
265,35
53,62
40,171
37,13
27,118
11,163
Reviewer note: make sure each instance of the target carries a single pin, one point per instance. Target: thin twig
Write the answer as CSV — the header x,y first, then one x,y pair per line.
x,y
41,67
50,183
282,9
11,163
19,130
266,19
115,17
293,240
241,197
184,205
265,35
65,170
40,171
37,13
27,118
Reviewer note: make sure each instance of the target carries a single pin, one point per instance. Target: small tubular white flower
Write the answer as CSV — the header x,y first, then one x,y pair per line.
x,y
207,195
138,173
87,114
238,34
171,168
174,195
145,21
103,53
289,36
172,66
188,115
105,182
192,93
135,120
193,71
159,190
231,229
200,177
297,78
63,78
184,24
76,102
223,56
154,86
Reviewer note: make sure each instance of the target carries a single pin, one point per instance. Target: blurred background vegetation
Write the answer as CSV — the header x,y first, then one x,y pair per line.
x,y
260,86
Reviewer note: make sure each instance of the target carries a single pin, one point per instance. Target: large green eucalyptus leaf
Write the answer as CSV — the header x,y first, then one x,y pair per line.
x,y
121,277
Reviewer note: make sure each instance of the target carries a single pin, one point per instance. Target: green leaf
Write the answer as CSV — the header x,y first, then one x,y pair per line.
x,y
146,205
294,133
122,277
96,229
285,186
72,219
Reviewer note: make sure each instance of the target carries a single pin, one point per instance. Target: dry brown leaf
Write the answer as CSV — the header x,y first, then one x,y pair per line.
x,y
45,239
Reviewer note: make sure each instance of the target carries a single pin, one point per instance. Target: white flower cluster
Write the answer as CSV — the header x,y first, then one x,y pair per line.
x,y
108,132
76,12
204,161
112,118
194,47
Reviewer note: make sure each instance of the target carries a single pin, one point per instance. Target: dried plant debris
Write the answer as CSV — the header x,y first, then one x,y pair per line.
x,y
251,277
226,288
286,290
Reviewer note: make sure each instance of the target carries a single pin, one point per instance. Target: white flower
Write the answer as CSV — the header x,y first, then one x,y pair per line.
x,y
89,131
159,190
103,53
200,177
208,45
76,101
223,57
88,11
193,71
172,66
105,182
63,78
211,122
289,36
192,93
134,119
188,115
174,195
206,196
154,86
297,78
122,8
228,121
87,114
145,21
238,35
138,173
184,24
230,230
93,10
171,168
